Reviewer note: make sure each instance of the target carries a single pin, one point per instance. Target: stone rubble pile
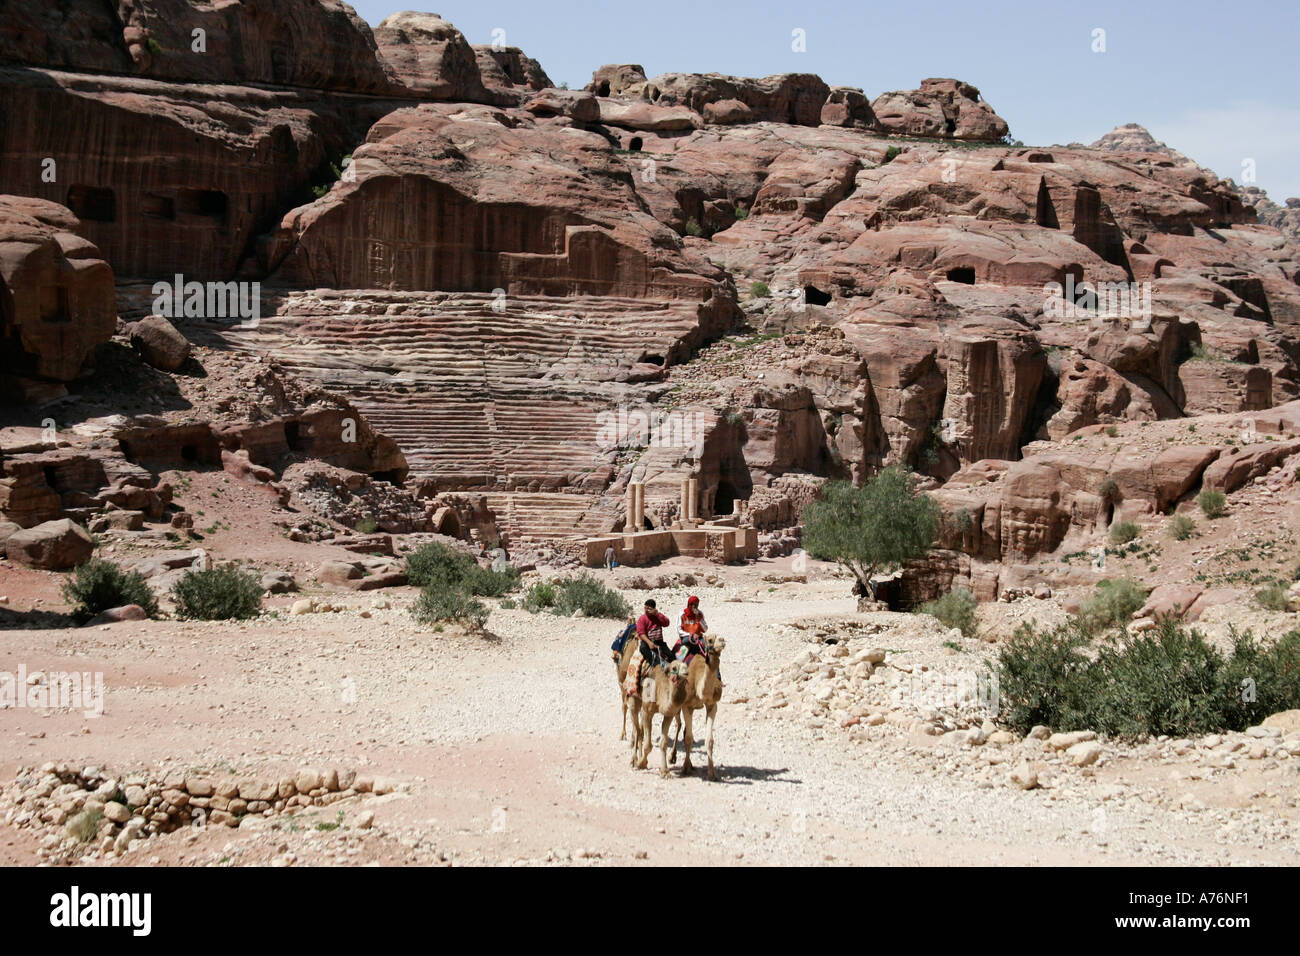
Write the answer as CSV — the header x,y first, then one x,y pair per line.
x,y
103,812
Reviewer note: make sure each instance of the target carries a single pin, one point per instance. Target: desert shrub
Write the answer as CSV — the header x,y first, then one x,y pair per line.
x,y
890,155
962,520
1112,431
221,594
1108,490
540,597
439,602
1112,605
1212,503
741,212
1124,532
591,597
96,586
485,582
954,609
438,564
1181,527
1169,680
367,525
1039,677
759,290
1272,598
84,826
693,228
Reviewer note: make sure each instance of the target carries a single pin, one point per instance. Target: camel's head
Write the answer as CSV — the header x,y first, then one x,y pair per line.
x,y
715,647
677,672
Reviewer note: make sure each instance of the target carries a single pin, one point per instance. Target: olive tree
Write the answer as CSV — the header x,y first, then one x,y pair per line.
x,y
870,529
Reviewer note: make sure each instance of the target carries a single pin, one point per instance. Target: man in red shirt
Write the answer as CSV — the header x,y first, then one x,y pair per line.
x,y
650,629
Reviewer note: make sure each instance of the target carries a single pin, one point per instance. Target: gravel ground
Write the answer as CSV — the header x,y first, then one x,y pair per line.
x,y
505,749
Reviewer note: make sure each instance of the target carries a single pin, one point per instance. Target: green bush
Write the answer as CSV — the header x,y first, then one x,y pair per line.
x,y
569,595
1040,678
890,155
1112,605
962,520
1112,431
367,525
591,597
221,594
693,228
1124,532
540,597
1108,490
84,826
1166,681
437,563
741,212
954,609
1212,503
440,603
96,586
1272,598
759,290
1181,527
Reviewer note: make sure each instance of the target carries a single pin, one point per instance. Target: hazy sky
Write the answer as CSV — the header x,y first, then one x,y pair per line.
x,y
1215,80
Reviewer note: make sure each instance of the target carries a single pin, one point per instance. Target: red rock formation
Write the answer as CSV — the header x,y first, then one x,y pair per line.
x,y
430,58
318,44
56,293
943,108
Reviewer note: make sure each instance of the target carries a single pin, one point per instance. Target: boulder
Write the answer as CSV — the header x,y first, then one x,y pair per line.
x,y
428,56
613,79
339,572
1169,600
941,108
279,582
128,612
56,291
849,107
159,343
52,546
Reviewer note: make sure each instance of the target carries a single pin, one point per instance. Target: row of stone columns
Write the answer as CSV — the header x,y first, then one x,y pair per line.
x,y
635,504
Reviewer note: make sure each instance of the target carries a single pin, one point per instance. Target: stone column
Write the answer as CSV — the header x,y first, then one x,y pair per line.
x,y
630,509
684,512
693,498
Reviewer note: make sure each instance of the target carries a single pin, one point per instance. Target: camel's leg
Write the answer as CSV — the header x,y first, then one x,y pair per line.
x,y
677,729
689,740
663,747
710,714
623,735
645,736
636,731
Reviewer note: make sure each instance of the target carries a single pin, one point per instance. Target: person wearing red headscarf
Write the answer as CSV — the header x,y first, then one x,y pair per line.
x,y
692,626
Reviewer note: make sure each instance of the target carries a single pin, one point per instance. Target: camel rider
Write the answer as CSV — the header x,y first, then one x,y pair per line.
x,y
692,627
691,632
650,629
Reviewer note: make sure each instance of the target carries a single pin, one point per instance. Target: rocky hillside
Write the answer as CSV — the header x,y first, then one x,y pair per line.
x,y
485,268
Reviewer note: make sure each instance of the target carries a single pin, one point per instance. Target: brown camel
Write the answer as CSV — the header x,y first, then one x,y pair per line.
x,y
620,668
663,692
704,690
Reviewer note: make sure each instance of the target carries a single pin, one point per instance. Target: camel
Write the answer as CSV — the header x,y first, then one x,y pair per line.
x,y
663,692
704,690
620,668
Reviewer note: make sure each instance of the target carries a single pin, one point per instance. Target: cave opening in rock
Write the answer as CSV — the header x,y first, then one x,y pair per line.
x,y
647,524
950,126
52,477
649,359
603,89
964,274
95,203
449,525
634,144
724,500
815,296
189,452
211,203
292,435
158,207
392,476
